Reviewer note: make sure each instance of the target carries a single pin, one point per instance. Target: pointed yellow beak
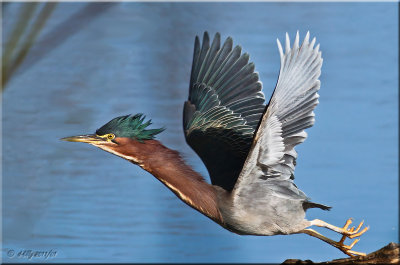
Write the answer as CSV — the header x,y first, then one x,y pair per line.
x,y
88,138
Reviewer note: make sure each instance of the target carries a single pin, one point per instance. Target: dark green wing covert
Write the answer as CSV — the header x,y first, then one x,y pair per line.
x,y
224,107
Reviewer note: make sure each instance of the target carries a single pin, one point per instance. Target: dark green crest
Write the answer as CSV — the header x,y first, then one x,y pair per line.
x,y
132,126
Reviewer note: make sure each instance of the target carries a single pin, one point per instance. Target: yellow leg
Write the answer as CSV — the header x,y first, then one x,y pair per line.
x,y
345,231
339,245
350,233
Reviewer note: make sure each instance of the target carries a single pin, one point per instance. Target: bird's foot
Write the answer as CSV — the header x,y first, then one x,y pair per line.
x,y
346,232
352,232
346,249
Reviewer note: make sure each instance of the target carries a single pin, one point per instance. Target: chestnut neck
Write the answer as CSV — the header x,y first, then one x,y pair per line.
x,y
168,167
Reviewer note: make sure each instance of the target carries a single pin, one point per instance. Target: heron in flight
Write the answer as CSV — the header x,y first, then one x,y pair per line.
x,y
247,146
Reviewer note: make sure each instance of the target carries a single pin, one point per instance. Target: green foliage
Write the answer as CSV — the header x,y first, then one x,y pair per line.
x,y
132,126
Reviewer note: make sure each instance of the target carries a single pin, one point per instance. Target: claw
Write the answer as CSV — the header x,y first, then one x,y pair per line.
x,y
348,222
355,253
359,226
354,242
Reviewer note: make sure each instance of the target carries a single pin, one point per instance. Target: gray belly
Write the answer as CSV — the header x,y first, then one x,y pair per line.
x,y
266,213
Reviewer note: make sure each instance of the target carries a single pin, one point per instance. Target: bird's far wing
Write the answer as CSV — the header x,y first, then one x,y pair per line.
x,y
224,107
272,158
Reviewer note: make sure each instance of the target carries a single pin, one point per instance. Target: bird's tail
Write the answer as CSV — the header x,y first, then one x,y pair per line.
x,y
308,205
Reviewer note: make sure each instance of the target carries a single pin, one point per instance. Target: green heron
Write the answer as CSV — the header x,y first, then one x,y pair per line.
x,y
246,145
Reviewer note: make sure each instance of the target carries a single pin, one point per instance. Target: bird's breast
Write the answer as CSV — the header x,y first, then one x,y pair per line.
x,y
262,216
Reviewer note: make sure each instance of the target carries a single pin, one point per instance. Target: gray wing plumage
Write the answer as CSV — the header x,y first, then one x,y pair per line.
x,y
224,107
271,160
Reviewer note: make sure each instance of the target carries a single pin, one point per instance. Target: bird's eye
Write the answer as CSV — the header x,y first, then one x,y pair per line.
x,y
110,136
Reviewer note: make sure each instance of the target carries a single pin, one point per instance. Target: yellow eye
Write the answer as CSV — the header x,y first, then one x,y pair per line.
x,y
110,136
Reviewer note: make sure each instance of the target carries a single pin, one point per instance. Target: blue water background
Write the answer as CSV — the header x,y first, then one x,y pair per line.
x,y
93,62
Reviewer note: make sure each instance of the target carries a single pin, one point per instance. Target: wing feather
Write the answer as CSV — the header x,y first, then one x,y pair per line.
x,y
224,106
272,157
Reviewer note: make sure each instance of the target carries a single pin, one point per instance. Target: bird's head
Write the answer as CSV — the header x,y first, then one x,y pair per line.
x,y
124,136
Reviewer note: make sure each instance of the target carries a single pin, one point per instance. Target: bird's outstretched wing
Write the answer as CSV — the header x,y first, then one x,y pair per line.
x,y
272,158
224,107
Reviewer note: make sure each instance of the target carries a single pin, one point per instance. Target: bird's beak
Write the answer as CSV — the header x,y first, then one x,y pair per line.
x,y
88,138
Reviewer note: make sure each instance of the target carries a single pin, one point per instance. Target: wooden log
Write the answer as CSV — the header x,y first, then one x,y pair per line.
x,y
387,255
